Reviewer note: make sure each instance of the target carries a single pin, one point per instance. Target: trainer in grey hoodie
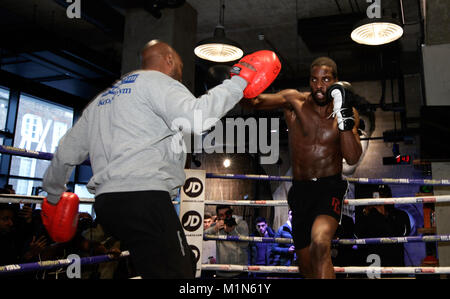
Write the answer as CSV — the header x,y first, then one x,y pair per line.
x,y
127,133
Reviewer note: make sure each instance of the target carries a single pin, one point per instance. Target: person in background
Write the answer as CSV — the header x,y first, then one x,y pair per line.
x,y
376,221
235,253
283,254
260,252
209,246
18,244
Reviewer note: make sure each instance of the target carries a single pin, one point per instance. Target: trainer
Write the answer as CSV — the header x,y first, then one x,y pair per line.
x,y
127,132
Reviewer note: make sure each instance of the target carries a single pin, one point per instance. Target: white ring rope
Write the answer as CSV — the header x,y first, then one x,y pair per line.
x,y
30,199
348,270
16,198
350,202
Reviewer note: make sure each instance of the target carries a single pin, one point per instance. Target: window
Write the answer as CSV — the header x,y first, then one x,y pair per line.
x,y
39,127
4,101
82,192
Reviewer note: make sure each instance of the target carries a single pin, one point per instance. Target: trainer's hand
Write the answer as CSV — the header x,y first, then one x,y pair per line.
x,y
341,93
259,70
61,220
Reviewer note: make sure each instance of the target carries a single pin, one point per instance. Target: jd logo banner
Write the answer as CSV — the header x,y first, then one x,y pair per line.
x,y
193,187
191,221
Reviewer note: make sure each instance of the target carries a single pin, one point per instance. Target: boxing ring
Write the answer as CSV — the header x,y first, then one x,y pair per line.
x,y
368,270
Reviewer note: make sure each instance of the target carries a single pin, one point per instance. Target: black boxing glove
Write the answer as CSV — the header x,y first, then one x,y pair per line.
x,y
341,93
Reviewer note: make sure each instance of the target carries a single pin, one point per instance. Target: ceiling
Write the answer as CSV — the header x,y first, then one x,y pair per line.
x,y
42,50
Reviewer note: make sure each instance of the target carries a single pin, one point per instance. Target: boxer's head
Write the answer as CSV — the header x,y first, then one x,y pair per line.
x,y
323,73
159,56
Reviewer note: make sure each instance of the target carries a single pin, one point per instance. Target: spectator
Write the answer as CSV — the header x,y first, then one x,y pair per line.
x,y
259,253
347,255
283,254
229,252
209,246
377,221
17,243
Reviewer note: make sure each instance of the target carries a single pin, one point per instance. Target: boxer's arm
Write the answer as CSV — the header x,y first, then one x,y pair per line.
x,y
267,101
72,150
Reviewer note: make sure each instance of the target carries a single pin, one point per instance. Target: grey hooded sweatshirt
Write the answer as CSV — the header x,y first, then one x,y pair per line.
x,y
130,133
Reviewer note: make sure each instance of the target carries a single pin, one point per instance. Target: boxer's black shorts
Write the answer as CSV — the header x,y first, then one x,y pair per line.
x,y
310,198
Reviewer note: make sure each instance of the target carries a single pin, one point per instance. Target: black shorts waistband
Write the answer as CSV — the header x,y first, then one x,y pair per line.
x,y
331,178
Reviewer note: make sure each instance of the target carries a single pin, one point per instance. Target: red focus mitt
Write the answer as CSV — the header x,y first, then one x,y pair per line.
x,y
259,69
61,220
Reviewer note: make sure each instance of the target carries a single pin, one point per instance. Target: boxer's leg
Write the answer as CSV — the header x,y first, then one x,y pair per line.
x,y
322,232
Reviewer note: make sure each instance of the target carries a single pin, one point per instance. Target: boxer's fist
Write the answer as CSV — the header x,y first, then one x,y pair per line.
x,y
259,70
341,93
61,220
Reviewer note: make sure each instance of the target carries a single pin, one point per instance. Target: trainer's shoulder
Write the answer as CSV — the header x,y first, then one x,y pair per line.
x,y
148,75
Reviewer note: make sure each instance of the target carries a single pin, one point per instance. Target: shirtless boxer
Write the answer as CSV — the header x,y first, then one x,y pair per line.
x,y
319,138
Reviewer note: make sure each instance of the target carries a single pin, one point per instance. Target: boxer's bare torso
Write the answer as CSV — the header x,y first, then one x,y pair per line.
x,y
313,138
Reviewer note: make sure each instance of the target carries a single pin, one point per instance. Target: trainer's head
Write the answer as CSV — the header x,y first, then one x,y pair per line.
x,y
159,56
323,73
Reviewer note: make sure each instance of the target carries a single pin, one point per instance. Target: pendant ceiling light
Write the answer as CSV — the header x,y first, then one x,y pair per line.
x,y
219,48
376,31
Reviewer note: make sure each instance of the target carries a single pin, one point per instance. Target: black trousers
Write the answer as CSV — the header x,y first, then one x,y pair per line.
x,y
147,225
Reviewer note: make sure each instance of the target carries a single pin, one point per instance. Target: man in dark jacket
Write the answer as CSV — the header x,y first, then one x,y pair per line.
x,y
284,254
260,252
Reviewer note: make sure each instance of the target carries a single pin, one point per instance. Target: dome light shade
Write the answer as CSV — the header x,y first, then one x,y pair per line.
x,y
218,48
374,32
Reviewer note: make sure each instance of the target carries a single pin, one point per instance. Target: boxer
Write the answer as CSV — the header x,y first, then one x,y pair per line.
x,y
322,131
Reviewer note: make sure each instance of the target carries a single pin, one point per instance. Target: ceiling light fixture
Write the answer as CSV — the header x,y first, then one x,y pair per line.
x,y
377,31
219,48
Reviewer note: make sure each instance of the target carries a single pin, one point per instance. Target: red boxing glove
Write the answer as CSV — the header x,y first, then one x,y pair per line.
x,y
61,220
259,69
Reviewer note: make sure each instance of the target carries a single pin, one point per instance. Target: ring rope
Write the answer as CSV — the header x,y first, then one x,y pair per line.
x,y
350,202
397,200
348,270
443,182
36,199
366,241
4,149
26,267
16,198
16,268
